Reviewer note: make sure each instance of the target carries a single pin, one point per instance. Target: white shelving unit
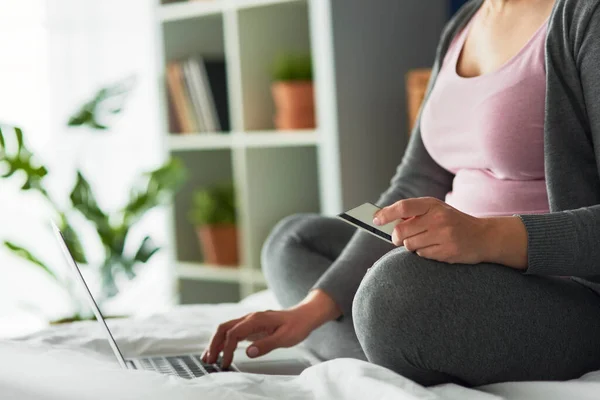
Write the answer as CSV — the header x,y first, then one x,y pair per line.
x,y
275,173
218,273
188,10
208,141
360,52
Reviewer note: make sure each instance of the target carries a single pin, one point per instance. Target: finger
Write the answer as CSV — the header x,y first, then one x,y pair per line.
x,y
403,209
241,331
257,336
420,241
410,227
217,341
266,345
430,252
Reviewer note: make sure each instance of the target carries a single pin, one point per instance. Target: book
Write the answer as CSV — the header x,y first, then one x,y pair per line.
x,y
181,100
173,118
188,100
216,72
195,90
202,90
211,111
198,95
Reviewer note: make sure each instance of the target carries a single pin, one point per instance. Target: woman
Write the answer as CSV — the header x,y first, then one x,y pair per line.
x,y
487,285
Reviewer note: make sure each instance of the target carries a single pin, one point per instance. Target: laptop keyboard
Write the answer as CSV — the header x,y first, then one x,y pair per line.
x,y
183,366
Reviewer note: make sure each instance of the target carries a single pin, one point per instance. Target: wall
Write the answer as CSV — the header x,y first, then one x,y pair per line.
x,y
375,45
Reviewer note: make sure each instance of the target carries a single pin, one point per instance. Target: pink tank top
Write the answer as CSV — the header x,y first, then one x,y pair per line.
x,y
489,131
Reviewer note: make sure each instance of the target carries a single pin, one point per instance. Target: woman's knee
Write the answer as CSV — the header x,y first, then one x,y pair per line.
x,y
398,281
396,307
390,286
286,232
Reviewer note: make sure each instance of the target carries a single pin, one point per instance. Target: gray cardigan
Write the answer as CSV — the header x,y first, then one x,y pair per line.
x,y
565,241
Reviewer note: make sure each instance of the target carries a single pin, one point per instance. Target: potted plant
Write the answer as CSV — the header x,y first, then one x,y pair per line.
x,y
293,92
213,214
112,227
123,254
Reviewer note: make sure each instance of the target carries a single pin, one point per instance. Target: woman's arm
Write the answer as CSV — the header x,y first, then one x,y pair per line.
x,y
506,242
567,242
435,230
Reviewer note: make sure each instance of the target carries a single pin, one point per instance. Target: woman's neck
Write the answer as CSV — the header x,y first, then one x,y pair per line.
x,y
497,5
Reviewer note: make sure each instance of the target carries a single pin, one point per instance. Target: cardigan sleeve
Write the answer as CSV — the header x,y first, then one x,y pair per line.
x,y
568,242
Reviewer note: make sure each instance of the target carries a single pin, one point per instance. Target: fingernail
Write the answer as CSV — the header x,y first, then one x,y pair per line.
x,y
252,351
376,221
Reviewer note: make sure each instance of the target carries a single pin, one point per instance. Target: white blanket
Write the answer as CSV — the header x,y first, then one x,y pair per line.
x,y
75,362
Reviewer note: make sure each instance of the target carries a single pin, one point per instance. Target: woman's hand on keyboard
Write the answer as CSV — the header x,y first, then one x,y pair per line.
x,y
269,330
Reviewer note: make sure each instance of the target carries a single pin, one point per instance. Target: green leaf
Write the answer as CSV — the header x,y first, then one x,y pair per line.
x,y
153,189
94,124
146,251
84,201
288,67
2,142
102,103
80,118
116,237
22,161
19,135
25,254
73,242
214,205
109,286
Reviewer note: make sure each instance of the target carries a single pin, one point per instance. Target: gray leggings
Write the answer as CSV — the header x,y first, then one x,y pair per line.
x,y
436,323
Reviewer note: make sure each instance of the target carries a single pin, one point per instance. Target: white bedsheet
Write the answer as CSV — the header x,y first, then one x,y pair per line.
x,y
75,362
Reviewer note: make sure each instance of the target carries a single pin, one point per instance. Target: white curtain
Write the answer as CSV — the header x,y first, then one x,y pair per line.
x,y
54,55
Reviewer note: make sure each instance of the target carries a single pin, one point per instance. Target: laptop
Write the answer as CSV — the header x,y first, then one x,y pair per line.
x,y
290,361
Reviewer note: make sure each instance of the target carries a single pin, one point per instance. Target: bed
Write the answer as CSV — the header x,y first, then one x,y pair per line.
x,y
75,362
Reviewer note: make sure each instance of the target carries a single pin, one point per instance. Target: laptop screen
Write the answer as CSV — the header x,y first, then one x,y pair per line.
x,y
79,277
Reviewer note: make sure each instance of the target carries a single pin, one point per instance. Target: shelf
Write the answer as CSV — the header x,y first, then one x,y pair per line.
x,y
258,159
264,32
189,9
205,272
240,4
200,141
280,138
255,139
198,8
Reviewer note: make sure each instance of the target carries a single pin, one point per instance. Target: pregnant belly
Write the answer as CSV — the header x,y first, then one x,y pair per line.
x,y
479,193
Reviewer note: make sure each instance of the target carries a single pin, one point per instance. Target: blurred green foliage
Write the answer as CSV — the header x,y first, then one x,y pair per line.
x,y
151,189
290,67
108,100
213,206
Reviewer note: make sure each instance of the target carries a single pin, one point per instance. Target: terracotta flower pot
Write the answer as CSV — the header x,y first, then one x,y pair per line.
x,y
219,244
295,105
